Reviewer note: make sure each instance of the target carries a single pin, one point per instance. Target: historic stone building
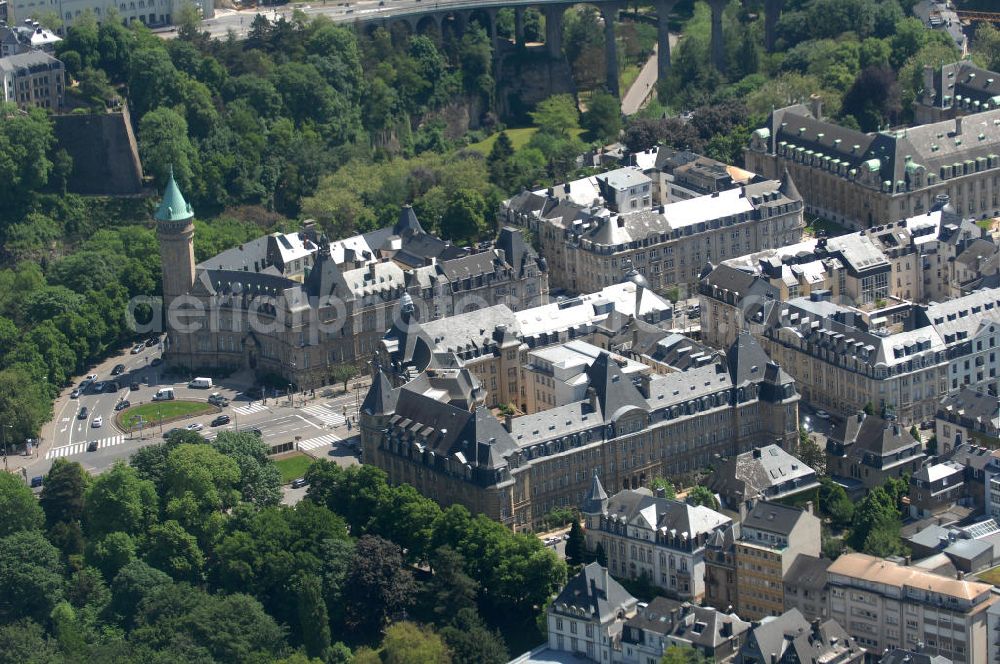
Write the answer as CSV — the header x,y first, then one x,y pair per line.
x,y
956,89
588,229
294,305
863,180
434,432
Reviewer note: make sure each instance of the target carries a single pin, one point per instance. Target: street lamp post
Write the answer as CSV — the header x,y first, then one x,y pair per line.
x,y
3,432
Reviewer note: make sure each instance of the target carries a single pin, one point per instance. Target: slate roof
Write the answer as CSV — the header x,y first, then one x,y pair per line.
x,y
774,517
764,472
615,393
381,398
325,280
974,406
584,592
871,434
808,572
746,360
640,508
596,499
407,342
795,641
701,626
900,656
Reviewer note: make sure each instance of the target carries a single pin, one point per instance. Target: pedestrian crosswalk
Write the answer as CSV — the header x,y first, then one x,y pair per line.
x,y
79,448
325,414
315,443
252,408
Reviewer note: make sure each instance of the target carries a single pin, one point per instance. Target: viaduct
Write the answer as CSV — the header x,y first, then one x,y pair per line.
x,y
419,18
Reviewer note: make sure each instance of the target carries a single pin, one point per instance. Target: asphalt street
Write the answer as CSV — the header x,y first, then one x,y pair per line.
x,y
314,424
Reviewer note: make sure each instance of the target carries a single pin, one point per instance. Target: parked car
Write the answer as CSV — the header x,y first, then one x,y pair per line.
x,y
152,341
37,481
75,394
822,414
195,426
97,422
92,446
97,387
138,348
155,362
299,482
82,415
134,386
118,370
91,377
217,399
220,420
123,404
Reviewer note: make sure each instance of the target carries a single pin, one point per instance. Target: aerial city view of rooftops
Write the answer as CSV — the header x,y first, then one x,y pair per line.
x,y
500,332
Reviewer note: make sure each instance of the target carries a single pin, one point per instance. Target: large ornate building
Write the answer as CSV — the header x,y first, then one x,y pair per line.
x,y
295,305
435,433
862,180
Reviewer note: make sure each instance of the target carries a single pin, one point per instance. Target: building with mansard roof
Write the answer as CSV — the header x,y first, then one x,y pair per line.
x,y
296,305
862,180
426,421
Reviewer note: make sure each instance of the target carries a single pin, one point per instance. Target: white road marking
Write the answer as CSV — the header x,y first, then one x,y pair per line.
x,y
314,443
77,448
309,422
324,414
247,410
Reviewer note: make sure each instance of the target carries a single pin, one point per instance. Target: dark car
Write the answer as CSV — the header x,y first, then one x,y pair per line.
x,y
122,405
152,341
134,386
92,446
255,431
155,362
220,420
37,481
118,370
300,482
82,415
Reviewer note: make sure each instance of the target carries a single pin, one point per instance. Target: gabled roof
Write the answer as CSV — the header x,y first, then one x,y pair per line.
x,y
325,279
746,359
774,517
585,593
615,393
407,222
638,507
870,433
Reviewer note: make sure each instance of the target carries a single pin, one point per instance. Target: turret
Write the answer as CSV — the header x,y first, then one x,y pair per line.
x,y
175,232
595,505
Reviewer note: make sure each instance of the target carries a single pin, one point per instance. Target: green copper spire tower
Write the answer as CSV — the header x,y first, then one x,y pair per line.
x,y
175,231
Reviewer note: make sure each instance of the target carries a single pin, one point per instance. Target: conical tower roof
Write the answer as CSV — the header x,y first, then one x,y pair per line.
x,y
596,500
788,187
173,207
407,222
380,399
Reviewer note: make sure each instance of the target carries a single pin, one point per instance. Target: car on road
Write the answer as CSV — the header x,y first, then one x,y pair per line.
x,y
195,426
299,482
134,386
217,399
138,348
91,378
97,387
220,420
118,370
97,422
92,446
37,481
155,362
822,414
152,341
123,404
255,431
75,394
82,415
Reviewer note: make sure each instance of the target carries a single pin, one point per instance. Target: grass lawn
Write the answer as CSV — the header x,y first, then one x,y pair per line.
x,y
628,76
153,412
832,228
293,466
991,576
518,137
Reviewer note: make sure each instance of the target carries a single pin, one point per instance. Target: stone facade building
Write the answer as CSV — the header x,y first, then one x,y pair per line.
x,y
763,473
956,89
153,13
587,236
865,450
663,623
791,639
932,257
862,180
967,417
32,79
647,536
886,605
434,433
295,305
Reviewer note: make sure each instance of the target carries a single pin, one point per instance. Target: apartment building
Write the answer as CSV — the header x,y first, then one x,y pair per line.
x,y
588,615
33,79
663,623
861,180
771,538
428,426
805,587
763,473
864,451
680,174
587,236
932,257
955,89
645,536
886,605
791,639
967,417
900,358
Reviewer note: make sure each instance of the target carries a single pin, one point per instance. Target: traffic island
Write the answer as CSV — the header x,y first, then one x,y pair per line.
x,y
161,412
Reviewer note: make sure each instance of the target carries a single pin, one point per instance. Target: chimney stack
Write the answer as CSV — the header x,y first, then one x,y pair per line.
x,y
958,126
592,398
809,506
508,422
604,580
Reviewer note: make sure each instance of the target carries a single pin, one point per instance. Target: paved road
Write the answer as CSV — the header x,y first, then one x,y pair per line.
x,y
317,425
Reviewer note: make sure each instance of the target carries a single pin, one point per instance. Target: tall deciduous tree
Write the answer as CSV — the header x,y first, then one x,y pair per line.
x,y
378,587
407,643
314,621
603,118
63,491
118,500
576,545
18,507
164,145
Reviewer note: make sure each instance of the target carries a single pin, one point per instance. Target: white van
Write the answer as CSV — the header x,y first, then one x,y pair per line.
x,y
164,394
201,383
